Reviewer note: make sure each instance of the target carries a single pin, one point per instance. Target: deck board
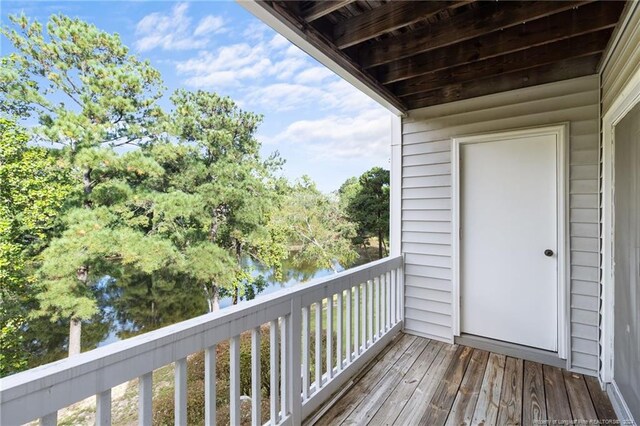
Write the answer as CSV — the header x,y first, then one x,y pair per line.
x,y
486,412
445,393
350,400
417,405
534,408
400,396
601,402
556,394
420,381
370,405
579,399
510,412
465,401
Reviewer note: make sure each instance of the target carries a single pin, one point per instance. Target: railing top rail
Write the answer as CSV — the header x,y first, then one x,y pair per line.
x,y
193,335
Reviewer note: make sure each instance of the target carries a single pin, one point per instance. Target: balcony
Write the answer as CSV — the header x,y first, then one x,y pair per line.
x,y
355,366
345,319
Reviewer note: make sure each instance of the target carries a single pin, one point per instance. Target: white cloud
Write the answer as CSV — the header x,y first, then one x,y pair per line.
x,y
209,24
175,31
314,75
367,134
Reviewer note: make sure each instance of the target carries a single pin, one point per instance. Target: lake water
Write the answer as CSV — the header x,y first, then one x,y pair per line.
x,y
129,310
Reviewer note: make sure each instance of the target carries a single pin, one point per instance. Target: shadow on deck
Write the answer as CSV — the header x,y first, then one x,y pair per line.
x,y
421,381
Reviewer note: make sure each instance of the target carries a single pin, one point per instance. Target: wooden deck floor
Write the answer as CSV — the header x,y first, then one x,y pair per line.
x,y
421,381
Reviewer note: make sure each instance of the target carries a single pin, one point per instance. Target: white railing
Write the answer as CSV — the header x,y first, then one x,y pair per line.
x,y
366,304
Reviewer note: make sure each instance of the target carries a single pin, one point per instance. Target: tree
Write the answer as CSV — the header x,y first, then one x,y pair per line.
x,y
368,205
316,230
219,192
33,189
89,96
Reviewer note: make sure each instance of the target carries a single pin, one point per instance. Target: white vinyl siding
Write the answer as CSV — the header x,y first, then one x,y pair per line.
x,y
426,201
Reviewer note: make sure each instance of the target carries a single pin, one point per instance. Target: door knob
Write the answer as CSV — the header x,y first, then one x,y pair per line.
x,y
548,252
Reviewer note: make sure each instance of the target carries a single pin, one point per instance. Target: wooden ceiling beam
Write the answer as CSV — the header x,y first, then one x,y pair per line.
x,y
487,18
584,45
385,19
588,18
322,8
326,48
564,70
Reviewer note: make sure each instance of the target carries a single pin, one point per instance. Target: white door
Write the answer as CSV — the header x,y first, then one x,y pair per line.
x,y
508,240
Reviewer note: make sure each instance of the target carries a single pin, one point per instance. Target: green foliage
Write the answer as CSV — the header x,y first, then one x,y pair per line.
x,y
315,227
80,82
33,188
219,192
89,96
34,185
367,205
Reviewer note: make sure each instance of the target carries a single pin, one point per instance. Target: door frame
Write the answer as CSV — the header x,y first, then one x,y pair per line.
x,y
561,132
628,98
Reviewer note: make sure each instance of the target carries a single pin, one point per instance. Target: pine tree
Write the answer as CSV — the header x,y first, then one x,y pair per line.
x,y
89,96
221,192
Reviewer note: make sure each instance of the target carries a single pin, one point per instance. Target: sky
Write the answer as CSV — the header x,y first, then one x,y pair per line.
x,y
320,124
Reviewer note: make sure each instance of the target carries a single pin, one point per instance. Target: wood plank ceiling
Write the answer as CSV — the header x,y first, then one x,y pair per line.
x,y
423,53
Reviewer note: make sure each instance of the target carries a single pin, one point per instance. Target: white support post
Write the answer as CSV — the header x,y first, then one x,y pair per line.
x,y
210,386
180,392
318,349
339,333
234,373
306,365
275,374
395,196
329,337
49,419
294,383
256,385
145,399
103,408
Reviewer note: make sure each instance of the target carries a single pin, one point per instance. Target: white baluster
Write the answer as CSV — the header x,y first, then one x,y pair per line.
x,y
349,323
306,331
275,374
329,337
378,312
401,291
180,392
358,321
284,409
145,399
369,313
234,373
210,386
394,299
318,350
256,383
103,408
339,315
387,299
49,419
